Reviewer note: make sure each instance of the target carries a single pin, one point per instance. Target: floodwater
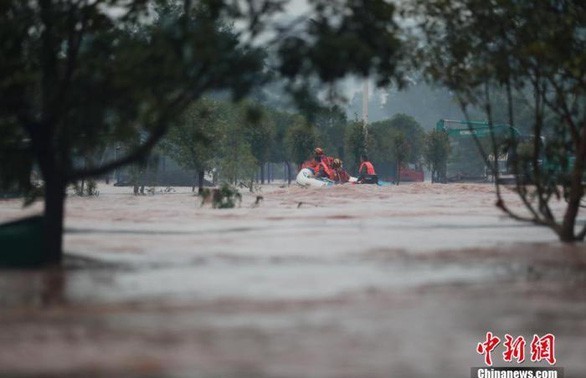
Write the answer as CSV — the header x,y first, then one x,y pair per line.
x,y
349,281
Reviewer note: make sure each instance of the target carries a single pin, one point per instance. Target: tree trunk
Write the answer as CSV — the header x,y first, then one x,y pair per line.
x,y
262,173
269,173
53,219
200,177
288,170
398,172
567,233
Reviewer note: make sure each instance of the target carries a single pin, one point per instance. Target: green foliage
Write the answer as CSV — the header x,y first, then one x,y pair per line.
x,y
300,141
74,77
355,144
401,147
344,37
435,154
331,123
493,54
381,147
396,141
282,122
235,158
259,130
193,140
225,197
17,162
108,76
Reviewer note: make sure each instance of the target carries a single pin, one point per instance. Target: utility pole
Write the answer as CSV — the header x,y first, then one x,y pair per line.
x,y
365,111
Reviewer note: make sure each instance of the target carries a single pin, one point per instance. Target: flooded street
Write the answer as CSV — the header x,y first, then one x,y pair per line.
x,y
351,281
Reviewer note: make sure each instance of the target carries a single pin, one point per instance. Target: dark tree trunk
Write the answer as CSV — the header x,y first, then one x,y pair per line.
x,y
398,172
200,178
262,173
288,171
54,213
567,232
269,173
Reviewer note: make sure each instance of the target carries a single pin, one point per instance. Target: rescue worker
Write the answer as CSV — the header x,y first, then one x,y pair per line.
x,y
366,172
324,165
313,164
320,165
340,175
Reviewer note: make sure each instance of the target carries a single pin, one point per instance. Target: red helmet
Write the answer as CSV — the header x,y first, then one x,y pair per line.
x,y
319,151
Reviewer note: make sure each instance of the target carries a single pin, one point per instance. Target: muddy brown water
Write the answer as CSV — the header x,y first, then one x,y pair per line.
x,y
353,281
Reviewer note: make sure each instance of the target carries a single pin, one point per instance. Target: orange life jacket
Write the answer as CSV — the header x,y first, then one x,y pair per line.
x,y
369,168
311,164
329,172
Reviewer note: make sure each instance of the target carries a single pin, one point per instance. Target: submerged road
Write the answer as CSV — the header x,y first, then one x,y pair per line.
x,y
352,281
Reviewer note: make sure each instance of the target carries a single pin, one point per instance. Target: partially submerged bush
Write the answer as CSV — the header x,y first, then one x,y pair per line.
x,y
223,198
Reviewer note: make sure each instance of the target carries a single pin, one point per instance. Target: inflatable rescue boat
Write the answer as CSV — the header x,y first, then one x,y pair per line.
x,y
306,178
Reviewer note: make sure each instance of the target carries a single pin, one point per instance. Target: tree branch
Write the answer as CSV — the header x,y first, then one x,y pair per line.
x,y
500,201
142,150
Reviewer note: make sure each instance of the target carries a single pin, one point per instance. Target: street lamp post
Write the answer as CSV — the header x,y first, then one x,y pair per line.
x,y
365,111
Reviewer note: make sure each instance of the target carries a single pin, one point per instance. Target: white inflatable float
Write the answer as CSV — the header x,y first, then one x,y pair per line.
x,y
305,177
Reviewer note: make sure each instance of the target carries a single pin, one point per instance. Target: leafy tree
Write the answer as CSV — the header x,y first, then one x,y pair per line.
x,y
73,72
435,154
195,138
401,150
399,137
17,162
355,144
259,135
236,160
300,140
331,124
356,36
381,149
413,133
282,121
486,50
